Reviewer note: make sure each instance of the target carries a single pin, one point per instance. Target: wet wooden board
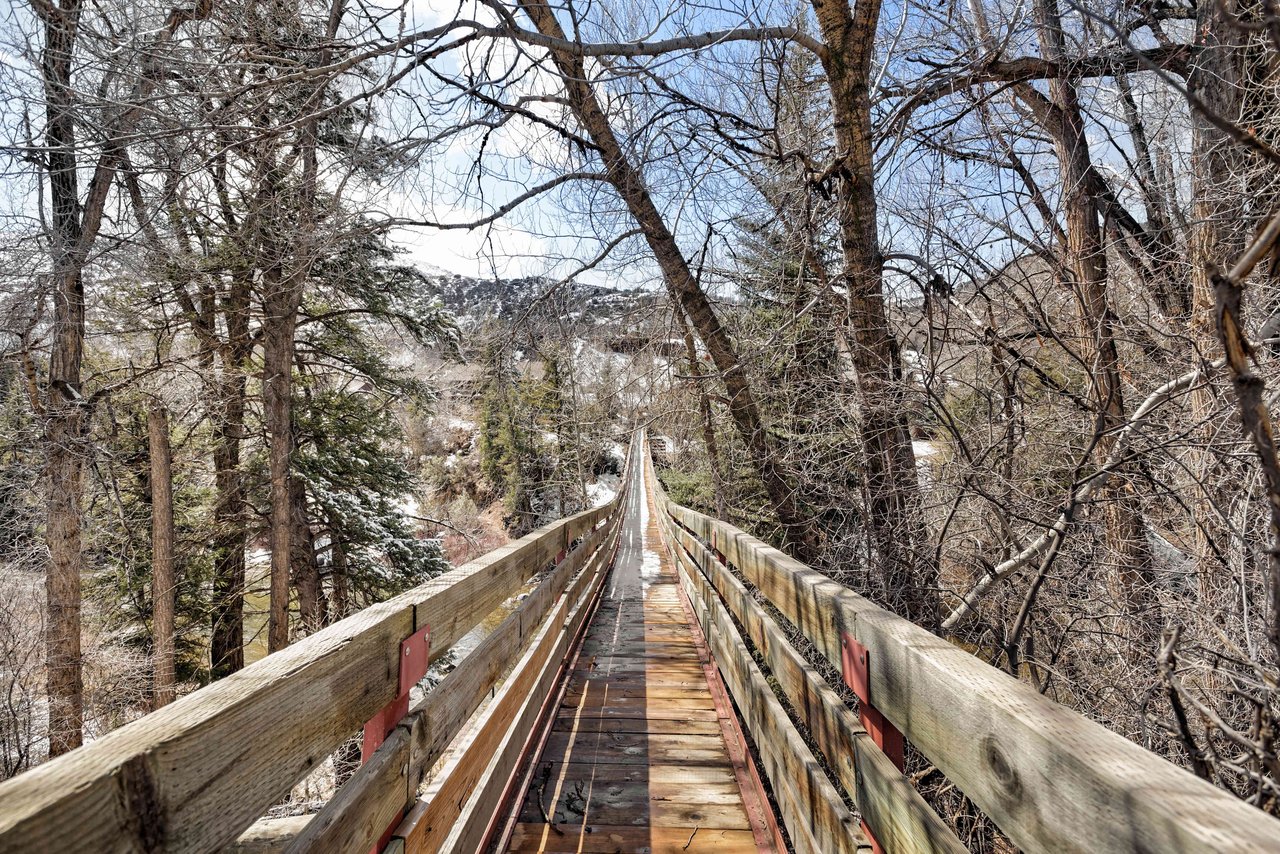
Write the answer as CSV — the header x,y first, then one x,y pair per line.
x,y
636,758
599,723
641,803
602,839
604,691
659,775
636,747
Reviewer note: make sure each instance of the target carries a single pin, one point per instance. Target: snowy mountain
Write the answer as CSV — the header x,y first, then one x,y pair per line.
x,y
473,300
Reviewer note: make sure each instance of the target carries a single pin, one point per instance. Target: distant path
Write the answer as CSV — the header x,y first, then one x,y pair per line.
x,y
641,756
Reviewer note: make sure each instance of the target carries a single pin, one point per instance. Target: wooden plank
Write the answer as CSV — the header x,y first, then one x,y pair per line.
x,y
656,677
640,748
636,691
667,778
429,823
586,801
193,775
362,810
446,709
482,807
1050,778
894,810
603,839
269,835
588,723
642,801
630,709
622,750
604,666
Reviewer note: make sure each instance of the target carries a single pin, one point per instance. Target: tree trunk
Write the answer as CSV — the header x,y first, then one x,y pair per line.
x,y
1063,120
1219,228
64,460
163,582
285,271
277,385
306,573
627,180
908,573
224,390
704,408
340,601
226,651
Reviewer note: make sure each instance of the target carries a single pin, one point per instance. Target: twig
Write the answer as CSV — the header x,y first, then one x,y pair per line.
x,y
1167,666
542,792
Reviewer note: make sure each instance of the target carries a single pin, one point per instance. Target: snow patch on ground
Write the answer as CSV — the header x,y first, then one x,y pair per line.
x,y
651,565
650,568
923,450
603,491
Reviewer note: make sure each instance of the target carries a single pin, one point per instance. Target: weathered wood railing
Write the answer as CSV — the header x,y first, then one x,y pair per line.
x,y
195,775
198,774
1051,779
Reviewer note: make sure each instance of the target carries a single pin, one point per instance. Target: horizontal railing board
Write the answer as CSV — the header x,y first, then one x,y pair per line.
x,y
433,820
900,818
269,836
382,788
193,775
467,834
446,709
812,810
1050,778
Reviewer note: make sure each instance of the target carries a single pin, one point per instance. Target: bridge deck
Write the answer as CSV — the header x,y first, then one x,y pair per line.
x,y
644,753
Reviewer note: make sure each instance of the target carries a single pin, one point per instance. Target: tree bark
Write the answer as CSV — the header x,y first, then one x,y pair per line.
x,y
1085,198
64,461
1062,118
704,409
224,389
908,574
626,178
285,273
306,573
226,650
163,582
1219,229
280,322
340,601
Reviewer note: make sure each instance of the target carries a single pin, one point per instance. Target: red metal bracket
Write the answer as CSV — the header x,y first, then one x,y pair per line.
x,y
415,652
855,666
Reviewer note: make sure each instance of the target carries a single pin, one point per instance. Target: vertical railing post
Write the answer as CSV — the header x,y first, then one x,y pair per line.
x,y
855,666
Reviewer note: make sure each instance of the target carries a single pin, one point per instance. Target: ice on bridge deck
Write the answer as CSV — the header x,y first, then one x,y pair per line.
x,y
644,753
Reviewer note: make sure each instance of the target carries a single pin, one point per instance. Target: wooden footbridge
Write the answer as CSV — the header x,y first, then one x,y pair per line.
x,y
649,691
